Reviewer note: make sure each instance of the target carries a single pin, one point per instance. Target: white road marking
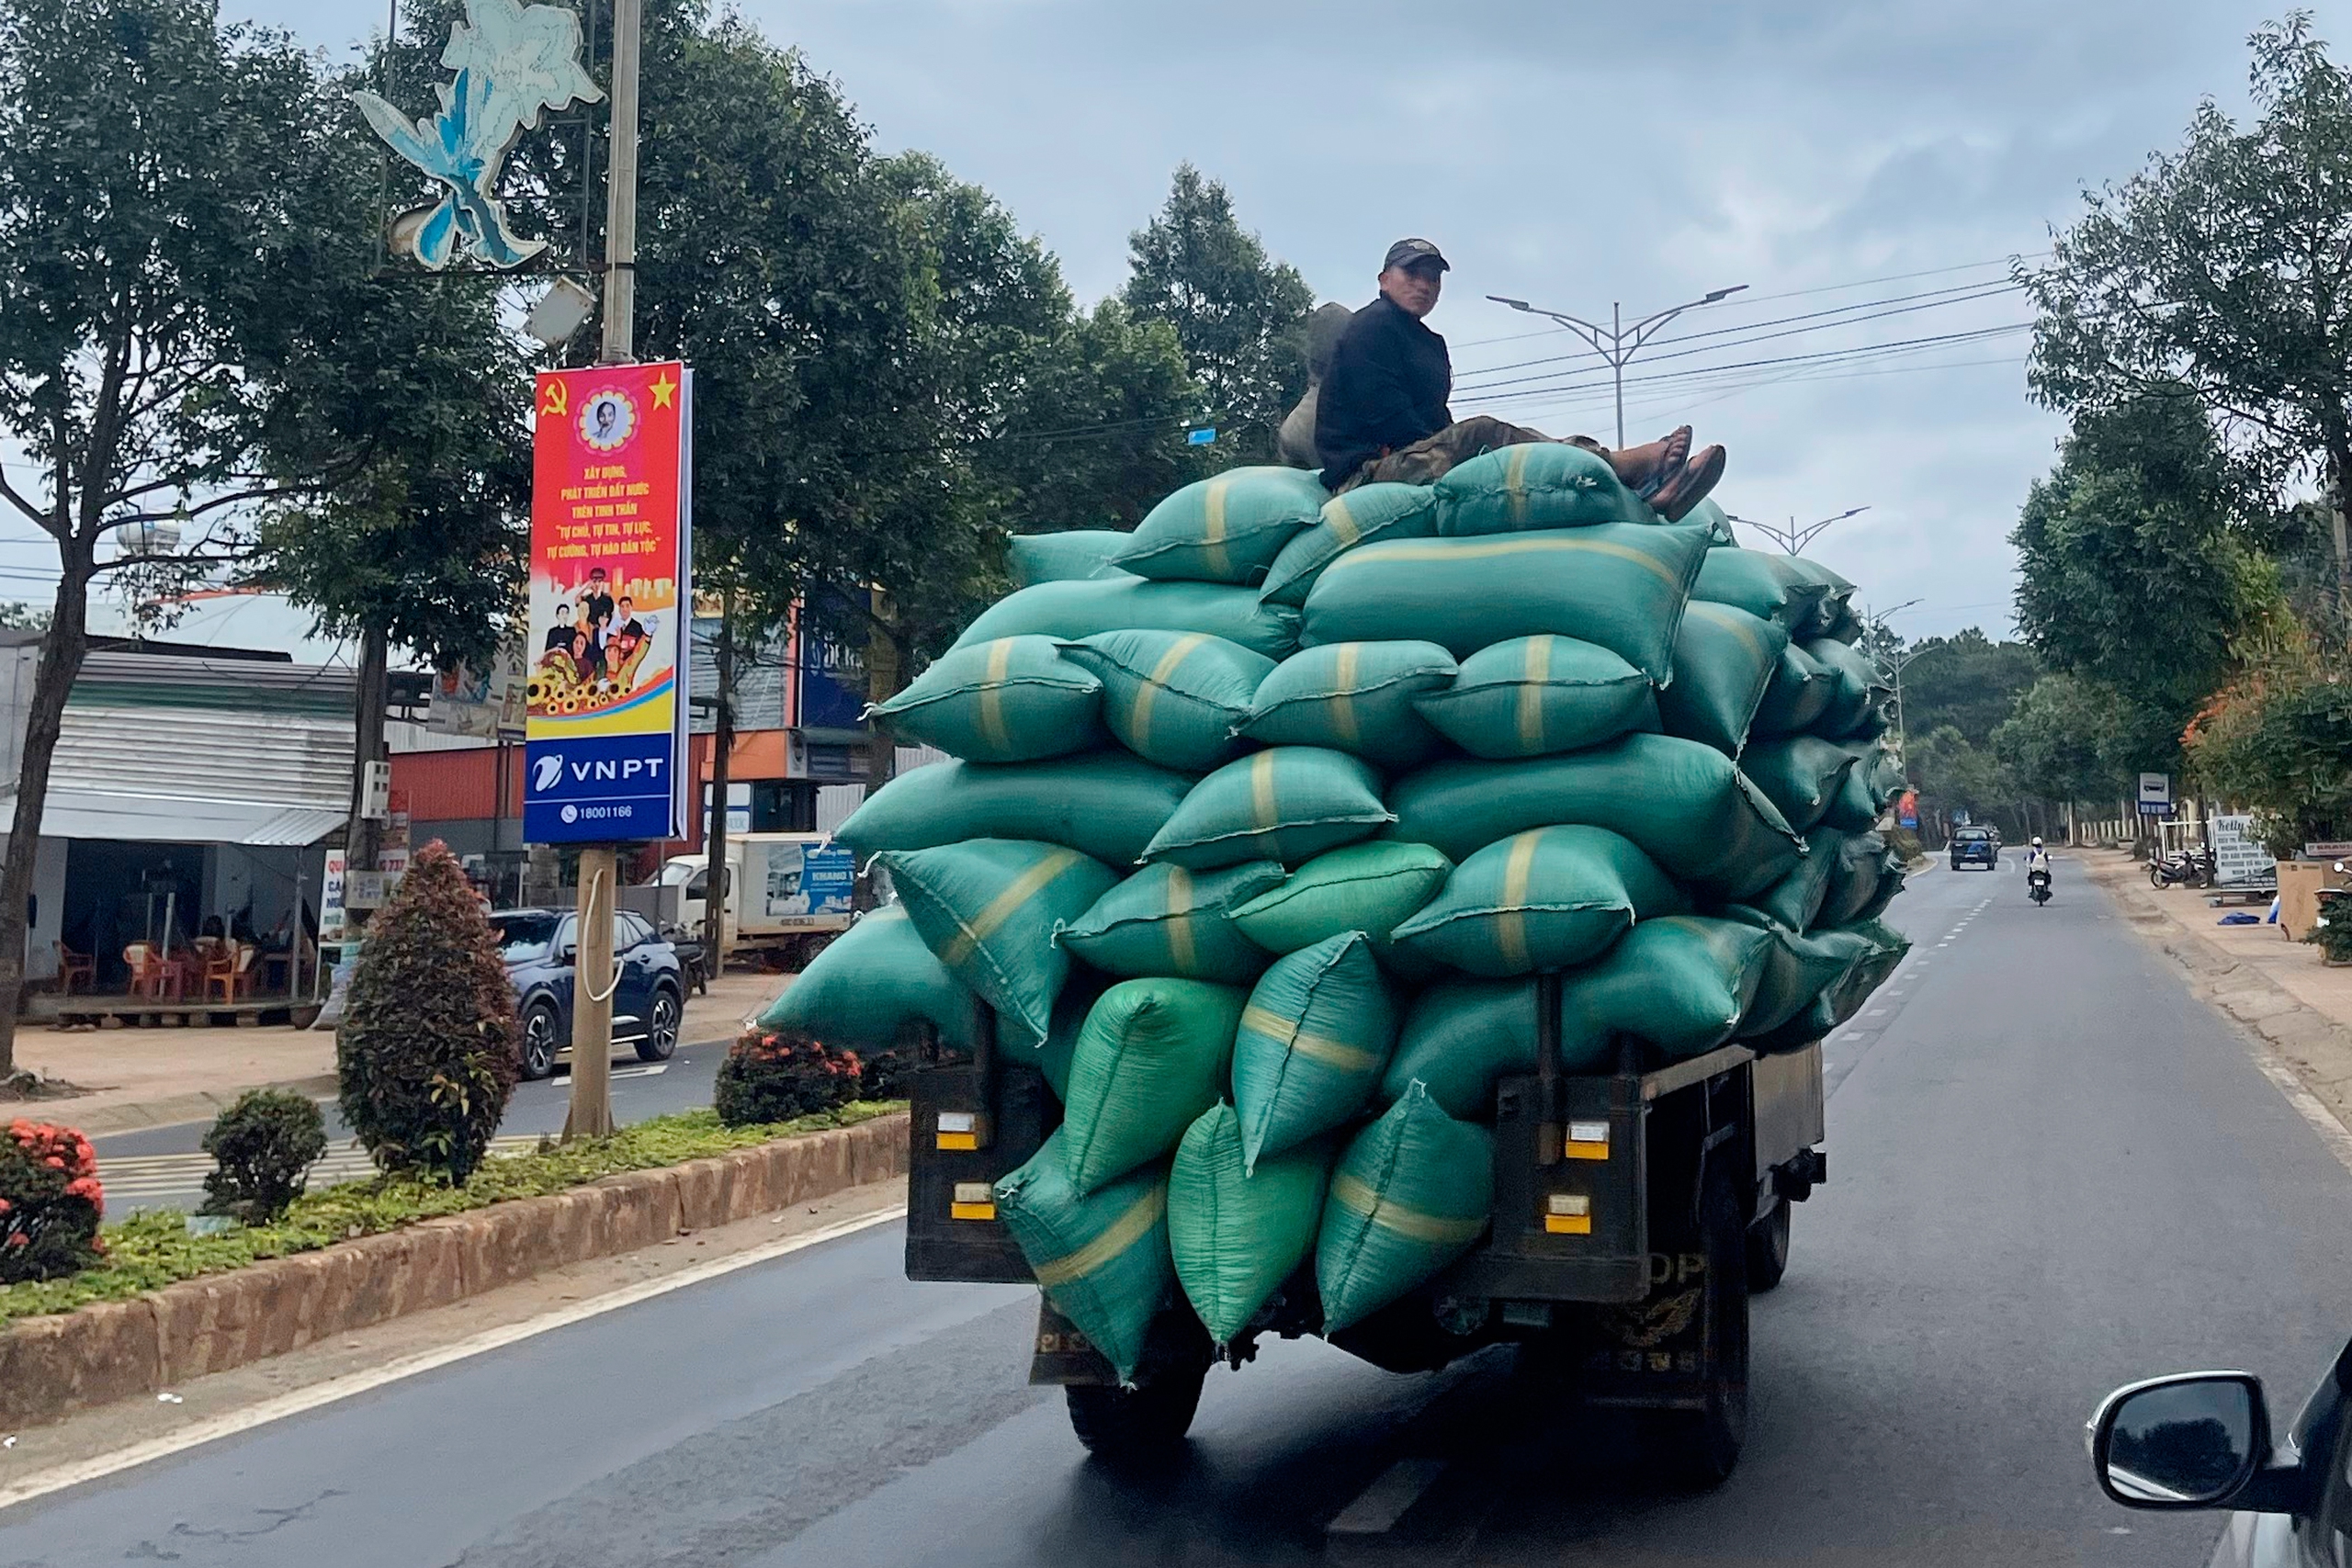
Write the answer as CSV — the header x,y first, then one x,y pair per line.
x,y
151,1176
1378,1507
261,1414
2332,1131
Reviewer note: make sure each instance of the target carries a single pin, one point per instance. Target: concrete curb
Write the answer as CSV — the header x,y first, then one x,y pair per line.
x,y
52,1366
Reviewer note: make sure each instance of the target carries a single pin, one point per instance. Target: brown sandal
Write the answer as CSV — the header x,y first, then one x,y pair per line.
x,y
1675,499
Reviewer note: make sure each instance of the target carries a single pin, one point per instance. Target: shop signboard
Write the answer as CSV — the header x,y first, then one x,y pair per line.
x,y
2239,859
611,604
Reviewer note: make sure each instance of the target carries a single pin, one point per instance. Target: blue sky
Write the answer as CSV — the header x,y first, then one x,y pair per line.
x,y
1575,155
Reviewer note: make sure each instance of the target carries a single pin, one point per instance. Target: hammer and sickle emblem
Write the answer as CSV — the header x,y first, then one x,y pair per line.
x,y
558,403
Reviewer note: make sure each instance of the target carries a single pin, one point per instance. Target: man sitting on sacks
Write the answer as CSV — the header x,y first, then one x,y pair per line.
x,y
1381,413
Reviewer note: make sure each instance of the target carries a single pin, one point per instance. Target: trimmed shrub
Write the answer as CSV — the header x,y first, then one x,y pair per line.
x,y
427,1054
49,1204
262,1147
775,1075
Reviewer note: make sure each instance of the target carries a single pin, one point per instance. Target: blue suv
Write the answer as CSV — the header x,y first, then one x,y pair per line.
x,y
1975,846
649,998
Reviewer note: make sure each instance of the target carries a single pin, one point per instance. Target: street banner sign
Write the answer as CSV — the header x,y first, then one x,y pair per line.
x,y
1906,811
611,598
2155,789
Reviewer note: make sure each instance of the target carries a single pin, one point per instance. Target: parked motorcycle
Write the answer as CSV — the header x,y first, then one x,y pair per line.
x,y
2194,867
2037,886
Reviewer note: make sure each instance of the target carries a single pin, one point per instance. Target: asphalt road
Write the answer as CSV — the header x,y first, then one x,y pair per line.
x,y
2052,1171
164,1167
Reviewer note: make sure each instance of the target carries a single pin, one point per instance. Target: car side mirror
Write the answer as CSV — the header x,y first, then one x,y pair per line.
x,y
2198,1440
566,951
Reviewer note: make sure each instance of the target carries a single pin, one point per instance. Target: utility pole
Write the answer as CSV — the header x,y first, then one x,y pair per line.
x,y
363,841
717,893
591,1115
1617,343
1791,537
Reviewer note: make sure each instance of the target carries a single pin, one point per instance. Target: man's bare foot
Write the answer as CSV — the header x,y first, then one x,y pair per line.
x,y
1643,469
1675,499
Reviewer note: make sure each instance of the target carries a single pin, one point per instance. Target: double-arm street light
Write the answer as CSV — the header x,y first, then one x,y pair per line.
x,y
1791,537
1618,342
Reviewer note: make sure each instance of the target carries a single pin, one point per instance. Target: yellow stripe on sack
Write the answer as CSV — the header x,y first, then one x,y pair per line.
x,y
1181,955
1139,711
1411,1224
1261,790
1001,908
992,695
1728,617
1511,926
1117,1236
1285,1032
1485,550
1213,525
1344,526
1344,701
1515,483
1530,694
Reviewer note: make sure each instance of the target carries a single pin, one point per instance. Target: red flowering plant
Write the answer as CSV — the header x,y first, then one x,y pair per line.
x,y
775,1075
49,1203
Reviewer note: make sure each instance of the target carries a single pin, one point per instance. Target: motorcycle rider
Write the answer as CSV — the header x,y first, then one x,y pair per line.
x,y
2037,859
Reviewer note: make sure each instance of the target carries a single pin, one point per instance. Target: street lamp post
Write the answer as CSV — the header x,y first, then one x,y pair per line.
x,y
1622,342
1793,537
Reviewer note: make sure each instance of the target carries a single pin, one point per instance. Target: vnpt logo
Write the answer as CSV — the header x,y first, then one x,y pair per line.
x,y
548,772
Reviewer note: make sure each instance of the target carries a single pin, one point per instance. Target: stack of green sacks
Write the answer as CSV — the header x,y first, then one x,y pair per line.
x,y
1265,816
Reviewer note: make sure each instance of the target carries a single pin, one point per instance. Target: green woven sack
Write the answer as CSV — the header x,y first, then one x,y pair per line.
x,y
1079,993
1767,584
1797,899
1102,1257
1800,776
1105,804
1287,804
1855,808
1166,921
1715,519
1834,614
1151,1058
1410,1195
1686,804
1069,555
1860,683
1365,514
1534,485
1460,1037
1801,690
1173,698
1226,528
989,907
1863,863
1013,700
1797,969
1081,609
1863,956
1317,1030
1364,887
870,983
1238,1233
1544,898
1680,985
1356,697
1619,584
1724,659
1532,695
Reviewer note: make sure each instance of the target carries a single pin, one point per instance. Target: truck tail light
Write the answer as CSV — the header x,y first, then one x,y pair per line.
x,y
959,1130
1587,1140
1568,1213
973,1201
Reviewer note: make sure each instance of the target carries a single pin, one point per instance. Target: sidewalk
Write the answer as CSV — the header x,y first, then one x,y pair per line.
x,y
2276,988
148,1078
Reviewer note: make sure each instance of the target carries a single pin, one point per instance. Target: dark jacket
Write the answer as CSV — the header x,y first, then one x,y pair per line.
x,y
1390,379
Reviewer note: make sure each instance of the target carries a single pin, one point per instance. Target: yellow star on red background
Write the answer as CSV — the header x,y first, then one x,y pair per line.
x,y
663,389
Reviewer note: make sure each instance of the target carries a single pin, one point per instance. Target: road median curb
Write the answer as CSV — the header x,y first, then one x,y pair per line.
x,y
54,1366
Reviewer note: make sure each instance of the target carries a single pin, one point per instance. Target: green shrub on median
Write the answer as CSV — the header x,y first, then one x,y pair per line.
x,y
148,1251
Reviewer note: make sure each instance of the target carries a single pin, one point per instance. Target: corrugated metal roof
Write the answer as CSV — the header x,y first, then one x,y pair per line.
x,y
278,759
176,819
146,680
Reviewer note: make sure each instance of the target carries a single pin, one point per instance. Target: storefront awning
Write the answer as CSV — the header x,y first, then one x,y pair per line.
x,y
176,819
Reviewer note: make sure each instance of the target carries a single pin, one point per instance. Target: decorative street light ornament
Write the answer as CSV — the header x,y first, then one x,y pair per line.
x,y
514,62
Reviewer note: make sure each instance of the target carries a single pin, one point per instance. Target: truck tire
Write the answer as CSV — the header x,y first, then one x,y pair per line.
x,y
1138,1423
1767,1246
1699,1449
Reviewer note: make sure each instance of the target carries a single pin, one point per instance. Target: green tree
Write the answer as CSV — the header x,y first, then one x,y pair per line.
x,y
17,617
2218,275
148,222
2059,741
1966,681
1096,435
1951,773
1239,313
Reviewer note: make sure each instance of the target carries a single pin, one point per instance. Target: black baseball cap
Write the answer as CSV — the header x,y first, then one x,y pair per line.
x,y
1406,253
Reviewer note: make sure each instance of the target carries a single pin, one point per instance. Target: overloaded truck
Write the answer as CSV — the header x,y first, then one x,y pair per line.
x,y
1408,917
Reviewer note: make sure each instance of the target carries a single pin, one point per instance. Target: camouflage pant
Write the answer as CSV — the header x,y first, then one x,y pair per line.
x,y
1426,460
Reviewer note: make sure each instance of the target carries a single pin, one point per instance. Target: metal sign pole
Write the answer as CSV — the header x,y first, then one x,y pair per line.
x,y
591,1115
